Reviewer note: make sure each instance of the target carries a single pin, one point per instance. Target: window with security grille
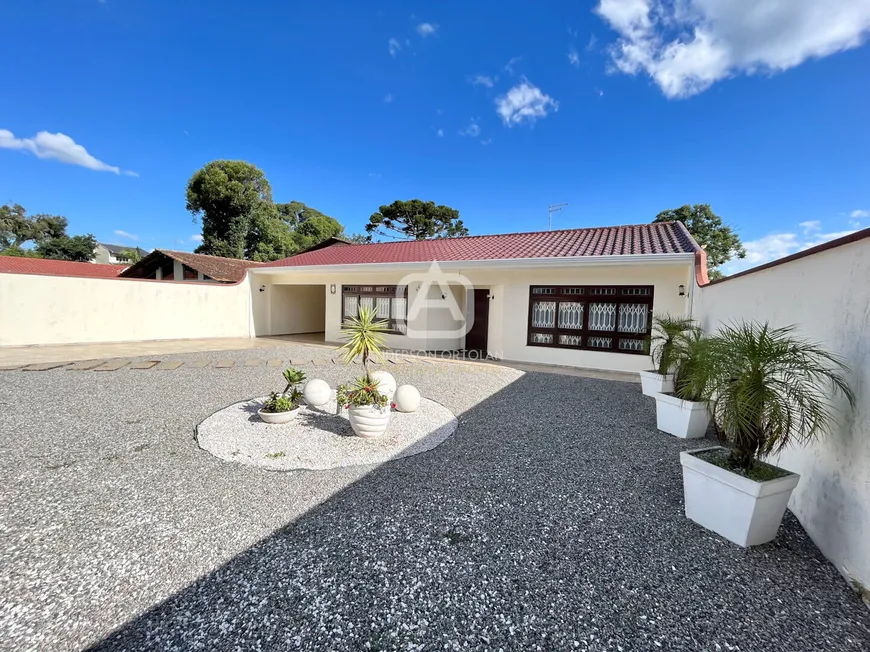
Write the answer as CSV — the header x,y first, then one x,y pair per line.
x,y
388,302
594,318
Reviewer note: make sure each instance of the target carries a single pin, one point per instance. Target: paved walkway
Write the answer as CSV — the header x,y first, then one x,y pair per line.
x,y
552,520
116,355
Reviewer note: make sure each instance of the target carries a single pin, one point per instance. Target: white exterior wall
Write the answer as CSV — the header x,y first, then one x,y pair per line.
x,y
38,309
827,295
508,310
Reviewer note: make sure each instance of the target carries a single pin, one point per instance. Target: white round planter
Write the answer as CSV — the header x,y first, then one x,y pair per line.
x,y
316,392
278,417
385,381
652,383
683,419
368,421
743,511
407,398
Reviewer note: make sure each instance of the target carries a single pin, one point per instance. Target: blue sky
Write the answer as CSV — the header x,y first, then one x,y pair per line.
x,y
620,108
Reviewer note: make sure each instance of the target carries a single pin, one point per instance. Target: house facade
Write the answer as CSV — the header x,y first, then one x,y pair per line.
x,y
579,297
109,254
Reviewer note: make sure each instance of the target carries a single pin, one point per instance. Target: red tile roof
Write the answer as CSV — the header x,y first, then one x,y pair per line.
x,y
658,238
19,265
229,270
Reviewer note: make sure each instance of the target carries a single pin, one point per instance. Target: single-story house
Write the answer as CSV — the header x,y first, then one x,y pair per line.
x,y
579,297
44,266
167,265
109,254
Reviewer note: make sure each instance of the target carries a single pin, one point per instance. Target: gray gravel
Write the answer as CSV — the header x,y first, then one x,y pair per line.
x,y
318,438
552,519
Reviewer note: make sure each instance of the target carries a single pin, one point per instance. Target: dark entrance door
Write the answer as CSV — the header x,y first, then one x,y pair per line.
x,y
475,339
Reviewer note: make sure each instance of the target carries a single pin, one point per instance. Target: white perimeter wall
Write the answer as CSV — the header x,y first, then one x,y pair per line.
x,y
508,309
65,310
828,296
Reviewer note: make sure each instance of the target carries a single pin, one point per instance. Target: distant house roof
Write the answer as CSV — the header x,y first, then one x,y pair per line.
x,y
641,239
228,270
119,249
20,265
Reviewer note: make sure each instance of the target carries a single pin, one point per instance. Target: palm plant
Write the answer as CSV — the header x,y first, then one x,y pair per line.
x,y
364,337
669,334
690,364
767,388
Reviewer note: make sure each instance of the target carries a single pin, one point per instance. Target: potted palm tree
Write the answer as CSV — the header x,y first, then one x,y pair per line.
x,y
367,407
766,388
668,333
683,412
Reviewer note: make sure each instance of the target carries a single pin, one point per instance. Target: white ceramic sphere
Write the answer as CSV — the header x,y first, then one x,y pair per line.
x,y
407,398
386,382
316,392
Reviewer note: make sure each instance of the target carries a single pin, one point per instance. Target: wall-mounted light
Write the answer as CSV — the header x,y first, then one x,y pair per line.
x,y
262,288
682,290
332,289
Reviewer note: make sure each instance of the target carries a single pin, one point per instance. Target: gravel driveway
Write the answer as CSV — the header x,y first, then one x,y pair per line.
x,y
552,519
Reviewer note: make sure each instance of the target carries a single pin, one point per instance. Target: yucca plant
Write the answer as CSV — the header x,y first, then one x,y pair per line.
x,y
669,335
767,388
364,335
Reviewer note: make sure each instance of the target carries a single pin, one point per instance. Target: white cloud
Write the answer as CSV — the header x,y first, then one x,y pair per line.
x,y
125,235
811,226
488,141
574,58
778,245
388,98
483,80
394,46
509,66
859,214
688,45
196,238
427,29
593,40
473,129
439,133
525,102
59,147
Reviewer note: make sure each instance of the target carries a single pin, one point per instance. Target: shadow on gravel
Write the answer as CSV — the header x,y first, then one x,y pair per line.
x,y
552,519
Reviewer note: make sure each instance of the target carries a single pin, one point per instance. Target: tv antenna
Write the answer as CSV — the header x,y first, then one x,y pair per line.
x,y
553,208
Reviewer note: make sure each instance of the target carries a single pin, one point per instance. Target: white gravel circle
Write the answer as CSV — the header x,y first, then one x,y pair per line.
x,y
318,438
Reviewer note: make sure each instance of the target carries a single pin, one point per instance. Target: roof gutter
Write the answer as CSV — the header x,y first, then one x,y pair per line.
x,y
495,263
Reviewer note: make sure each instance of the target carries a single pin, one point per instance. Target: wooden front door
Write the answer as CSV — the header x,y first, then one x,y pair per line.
x,y
475,339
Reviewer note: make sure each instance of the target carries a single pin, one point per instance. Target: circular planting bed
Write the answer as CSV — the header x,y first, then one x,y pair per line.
x,y
318,438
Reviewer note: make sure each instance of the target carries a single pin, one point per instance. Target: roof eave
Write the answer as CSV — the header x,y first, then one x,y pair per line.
x,y
513,263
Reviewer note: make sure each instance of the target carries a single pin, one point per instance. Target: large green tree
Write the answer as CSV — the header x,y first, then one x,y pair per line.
x,y
17,228
226,195
240,220
717,238
416,219
78,248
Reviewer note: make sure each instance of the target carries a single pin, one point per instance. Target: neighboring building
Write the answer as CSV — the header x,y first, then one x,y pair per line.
x,y
109,254
166,265
21,265
580,297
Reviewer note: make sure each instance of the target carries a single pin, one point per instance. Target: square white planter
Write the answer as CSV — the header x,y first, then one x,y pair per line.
x,y
684,419
743,511
652,383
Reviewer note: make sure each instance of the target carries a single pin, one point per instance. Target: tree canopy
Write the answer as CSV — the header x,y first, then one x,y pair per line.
x,y
78,248
417,220
46,232
17,228
240,220
716,238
